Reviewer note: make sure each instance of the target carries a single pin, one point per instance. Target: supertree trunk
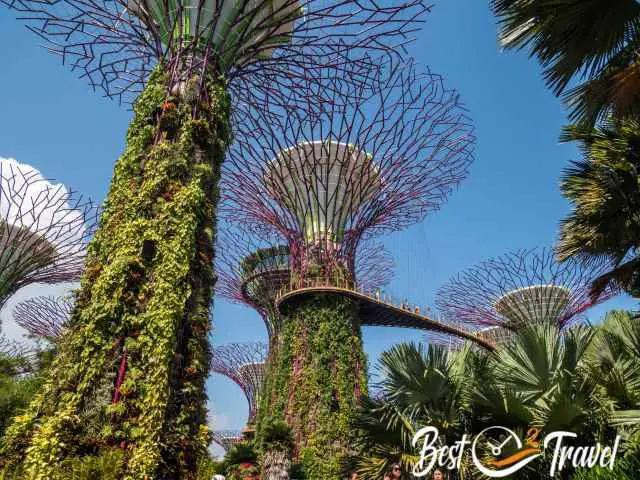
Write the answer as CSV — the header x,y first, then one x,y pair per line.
x,y
141,320
317,378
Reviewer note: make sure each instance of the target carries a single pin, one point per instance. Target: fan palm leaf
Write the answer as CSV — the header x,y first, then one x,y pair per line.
x,y
580,40
604,190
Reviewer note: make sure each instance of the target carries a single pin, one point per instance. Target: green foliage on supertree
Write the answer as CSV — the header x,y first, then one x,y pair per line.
x,y
315,381
144,298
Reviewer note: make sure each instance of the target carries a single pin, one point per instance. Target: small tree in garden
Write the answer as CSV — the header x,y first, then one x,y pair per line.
x,y
241,463
276,448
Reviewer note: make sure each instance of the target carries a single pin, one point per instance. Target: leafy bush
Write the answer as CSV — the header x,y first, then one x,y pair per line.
x,y
277,435
627,468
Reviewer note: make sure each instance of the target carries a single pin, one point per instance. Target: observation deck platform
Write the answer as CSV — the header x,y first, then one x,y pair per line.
x,y
376,310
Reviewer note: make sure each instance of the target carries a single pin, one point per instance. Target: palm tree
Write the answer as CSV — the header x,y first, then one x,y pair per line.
x,y
589,41
277,445
605,193
540,379
615,362
420,386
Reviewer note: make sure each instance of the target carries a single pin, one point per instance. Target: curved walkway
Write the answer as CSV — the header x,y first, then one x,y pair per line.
x,y
377,311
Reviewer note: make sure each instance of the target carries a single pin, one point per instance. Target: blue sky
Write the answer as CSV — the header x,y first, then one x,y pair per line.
x,y
55,122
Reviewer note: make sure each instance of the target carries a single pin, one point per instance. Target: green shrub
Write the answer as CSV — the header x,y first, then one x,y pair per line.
x,y
627,468
276,435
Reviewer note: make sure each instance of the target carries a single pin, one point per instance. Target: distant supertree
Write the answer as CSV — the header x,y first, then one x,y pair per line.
x,y
14,349
253,269
327,177
44,317
44,229
227,438
515,290
244,363
201,68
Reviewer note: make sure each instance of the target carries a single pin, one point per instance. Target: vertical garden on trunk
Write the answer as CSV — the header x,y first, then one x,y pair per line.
x,y
316,379
142,308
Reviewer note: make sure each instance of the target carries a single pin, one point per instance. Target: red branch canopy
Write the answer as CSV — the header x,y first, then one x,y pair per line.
x,y
244,363
521,288
44,317
257,45
377,158
252,268
44,229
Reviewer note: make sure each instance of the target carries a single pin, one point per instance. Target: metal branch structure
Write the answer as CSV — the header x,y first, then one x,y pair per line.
x,y
227,438
254,268
203,70
244,363
325,178
44,229
16,350
522,288
258,45
349,162
44,317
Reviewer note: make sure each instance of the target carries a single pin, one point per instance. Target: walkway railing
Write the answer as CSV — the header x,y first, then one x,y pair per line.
x,y
383,299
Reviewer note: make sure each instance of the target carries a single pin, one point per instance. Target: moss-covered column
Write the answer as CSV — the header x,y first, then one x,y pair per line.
x,y
144,297
317,377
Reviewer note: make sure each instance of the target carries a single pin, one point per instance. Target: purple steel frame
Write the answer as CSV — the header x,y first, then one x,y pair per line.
x,y
244,363
326,175
44,317
44,229
258,287
521,288
259,46
227,438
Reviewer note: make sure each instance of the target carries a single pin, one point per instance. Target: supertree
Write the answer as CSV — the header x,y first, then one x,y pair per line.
x,y
44,317
14,349
201,67
327,178
44,229
254,268
227,438
244,363
519,289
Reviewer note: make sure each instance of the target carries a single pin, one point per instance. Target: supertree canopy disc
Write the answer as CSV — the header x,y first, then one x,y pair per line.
x,y
533,304
253,269
44,317
378,161
44,229
244,363
338,176
527,287
227,438
117,43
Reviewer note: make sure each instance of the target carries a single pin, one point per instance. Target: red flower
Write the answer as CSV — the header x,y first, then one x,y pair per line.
x,y
167,105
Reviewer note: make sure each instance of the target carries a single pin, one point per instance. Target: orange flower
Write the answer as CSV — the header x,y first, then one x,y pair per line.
x,y
167,105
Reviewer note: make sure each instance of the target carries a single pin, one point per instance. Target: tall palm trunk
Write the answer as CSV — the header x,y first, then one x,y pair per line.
x,y
142,309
